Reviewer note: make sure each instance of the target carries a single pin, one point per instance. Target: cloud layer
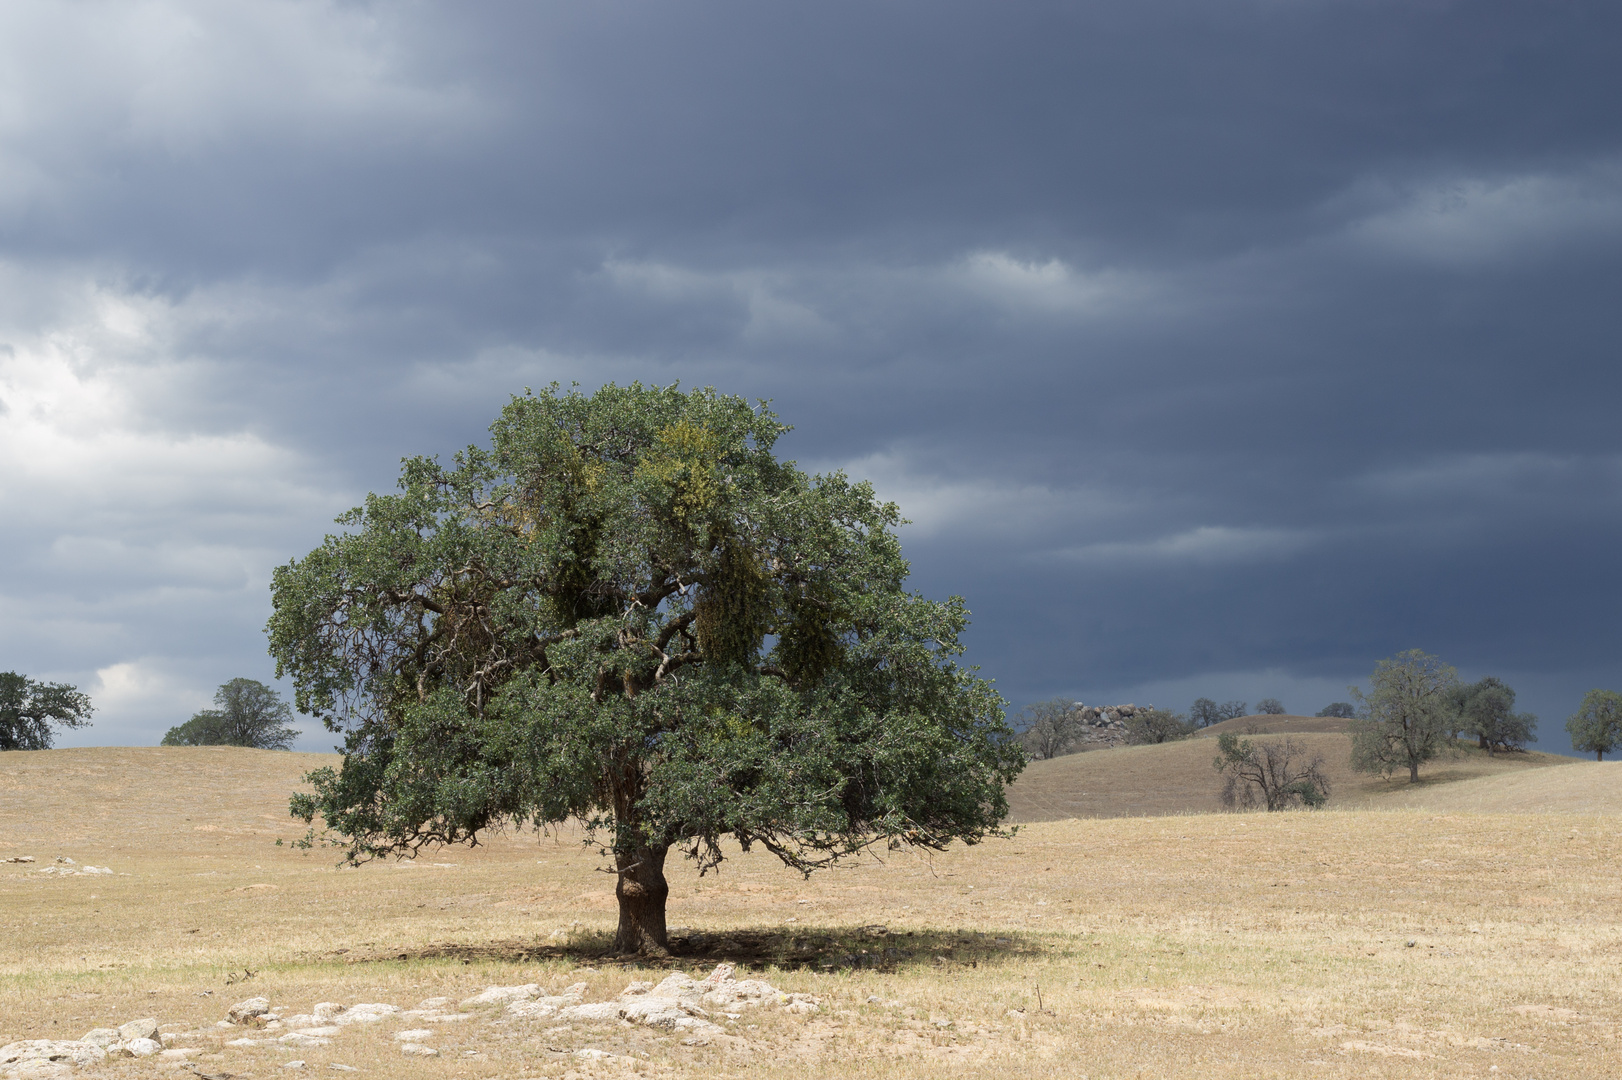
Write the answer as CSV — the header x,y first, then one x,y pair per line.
x,y
1219,346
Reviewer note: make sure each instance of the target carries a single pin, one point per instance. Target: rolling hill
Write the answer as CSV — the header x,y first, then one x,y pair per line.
x,y
1178,778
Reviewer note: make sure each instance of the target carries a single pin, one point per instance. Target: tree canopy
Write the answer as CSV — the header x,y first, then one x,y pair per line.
x,y
1048,728
29,710
1276,774
1205,711
1151,726
1596,726
626,610
1486,709
249,714
1406,714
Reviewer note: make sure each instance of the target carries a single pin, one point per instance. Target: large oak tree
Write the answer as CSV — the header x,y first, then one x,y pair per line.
x,y
30,709
629,612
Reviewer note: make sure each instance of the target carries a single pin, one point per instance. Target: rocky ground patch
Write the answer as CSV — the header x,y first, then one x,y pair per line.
x,y
701,1011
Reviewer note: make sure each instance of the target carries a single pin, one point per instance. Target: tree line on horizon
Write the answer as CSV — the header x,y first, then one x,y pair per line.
x,y
1439,710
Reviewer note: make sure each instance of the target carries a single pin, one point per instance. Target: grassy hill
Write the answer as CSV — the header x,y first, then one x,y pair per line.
x,y
1177,777
1282,724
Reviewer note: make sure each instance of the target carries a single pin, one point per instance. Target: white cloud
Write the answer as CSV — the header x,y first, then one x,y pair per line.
x,y
1487,479
1472,220
182,77
140,530
765,310
1204,544
968,505
1051,286
139,688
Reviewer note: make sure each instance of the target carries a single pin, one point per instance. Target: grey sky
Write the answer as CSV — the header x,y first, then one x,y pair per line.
x,y
1216,348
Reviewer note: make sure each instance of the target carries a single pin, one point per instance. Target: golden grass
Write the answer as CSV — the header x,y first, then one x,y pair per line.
x,y
1216,945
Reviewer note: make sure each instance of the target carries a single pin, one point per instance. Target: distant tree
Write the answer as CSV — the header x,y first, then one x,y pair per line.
x,y
1049,728
1275,774
1406,714
1204,712
1270,706
1596,726
1486,709
1156,726
1233,710
249,714
1341,709
28,709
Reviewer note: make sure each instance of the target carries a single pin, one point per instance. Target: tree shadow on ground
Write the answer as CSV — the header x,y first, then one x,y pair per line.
x,y
853,948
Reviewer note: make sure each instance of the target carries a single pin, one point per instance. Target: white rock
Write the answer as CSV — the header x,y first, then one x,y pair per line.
x,y
20,859
296,1063
501,995
39,1070
142,1047
342,1068
244,1042
540,1008
324,1011
302,1020
367,1013
244,1012
103,1037
414,1035
593,1055
51,1050
138,1029
325,1031
602,1010
295,1039
180,1055
418,1050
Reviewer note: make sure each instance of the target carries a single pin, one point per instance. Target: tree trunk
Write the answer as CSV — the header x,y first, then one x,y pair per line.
x,y
642,892
1413,772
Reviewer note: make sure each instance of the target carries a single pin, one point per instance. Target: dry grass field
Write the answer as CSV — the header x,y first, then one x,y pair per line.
x,y
1451,940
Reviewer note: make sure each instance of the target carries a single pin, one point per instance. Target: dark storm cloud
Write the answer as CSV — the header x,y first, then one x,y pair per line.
x,y
1209,345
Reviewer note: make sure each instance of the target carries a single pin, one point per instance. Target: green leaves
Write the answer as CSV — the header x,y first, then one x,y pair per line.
x,y
1596,726
29,710
249,714
627,611
1406,715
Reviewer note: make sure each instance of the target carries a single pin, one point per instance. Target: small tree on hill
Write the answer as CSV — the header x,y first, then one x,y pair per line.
x,y
1406,714
1275,774
1148,726
1204,712
29,709
1270,706
1341,709
249,714
1486,709
1049,728
1596,726
628,612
